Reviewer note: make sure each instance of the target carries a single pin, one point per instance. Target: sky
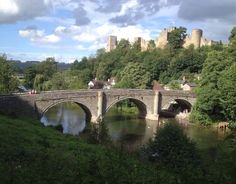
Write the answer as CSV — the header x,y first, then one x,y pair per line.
x,y
71,29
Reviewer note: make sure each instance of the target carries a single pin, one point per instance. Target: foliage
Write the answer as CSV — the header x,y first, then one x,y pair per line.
x,y
58,81
216,93
8,83
31,153
175,152
99,134
134,76
29,76
47,68
176,38
228,92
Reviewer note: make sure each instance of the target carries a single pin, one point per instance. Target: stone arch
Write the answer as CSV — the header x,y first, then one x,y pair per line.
x,y
184,104
139,104
86,110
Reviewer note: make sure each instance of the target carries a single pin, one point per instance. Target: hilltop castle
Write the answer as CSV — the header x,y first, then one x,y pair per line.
x,y
196,39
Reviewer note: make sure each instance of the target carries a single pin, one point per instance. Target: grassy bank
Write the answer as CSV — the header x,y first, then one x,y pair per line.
x,y
32,153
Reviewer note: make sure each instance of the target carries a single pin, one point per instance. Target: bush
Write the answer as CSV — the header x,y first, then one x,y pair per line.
x,y
175,152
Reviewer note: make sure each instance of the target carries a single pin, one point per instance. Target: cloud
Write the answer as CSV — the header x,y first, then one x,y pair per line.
x,y
81,16
110,6
212,9
38,36
15,10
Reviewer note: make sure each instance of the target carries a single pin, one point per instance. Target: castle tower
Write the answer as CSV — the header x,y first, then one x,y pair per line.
x,y
111,43
196,37
162,40
143,43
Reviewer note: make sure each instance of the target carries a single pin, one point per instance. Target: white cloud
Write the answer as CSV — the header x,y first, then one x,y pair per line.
x,y
85,37
15,10
38,36
96,36
8,7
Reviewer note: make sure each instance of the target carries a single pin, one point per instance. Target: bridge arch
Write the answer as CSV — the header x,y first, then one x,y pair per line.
x,y
86,110
139,104
181,103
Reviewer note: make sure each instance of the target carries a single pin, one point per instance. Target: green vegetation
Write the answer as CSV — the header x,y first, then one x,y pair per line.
x,y
8,83
217,93
175,153
31,153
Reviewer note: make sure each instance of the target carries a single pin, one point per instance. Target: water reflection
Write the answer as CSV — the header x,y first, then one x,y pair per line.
x,y
69,115
125,128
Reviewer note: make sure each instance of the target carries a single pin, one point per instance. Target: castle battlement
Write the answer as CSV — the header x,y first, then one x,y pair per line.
x,y
195,38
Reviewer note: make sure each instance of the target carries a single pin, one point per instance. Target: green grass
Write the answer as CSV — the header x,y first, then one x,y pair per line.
x,y
32,153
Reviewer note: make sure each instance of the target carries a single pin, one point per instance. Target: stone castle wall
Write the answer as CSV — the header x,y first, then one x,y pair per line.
x,y
196,39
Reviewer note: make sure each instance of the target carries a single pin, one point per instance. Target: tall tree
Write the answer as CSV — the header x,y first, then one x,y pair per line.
x,y
134,75
8,82
227,90
29,75
209,96
47,68
176,38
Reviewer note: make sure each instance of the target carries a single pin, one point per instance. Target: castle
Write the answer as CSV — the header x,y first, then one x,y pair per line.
x,y
196,39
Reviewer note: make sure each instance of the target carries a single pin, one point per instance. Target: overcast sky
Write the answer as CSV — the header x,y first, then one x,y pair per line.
x,y
71,29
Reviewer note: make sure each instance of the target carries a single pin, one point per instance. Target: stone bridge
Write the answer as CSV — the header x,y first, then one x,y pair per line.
x,y
95,103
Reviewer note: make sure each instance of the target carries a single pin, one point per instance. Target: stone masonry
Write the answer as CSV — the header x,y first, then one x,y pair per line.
x,y
95,103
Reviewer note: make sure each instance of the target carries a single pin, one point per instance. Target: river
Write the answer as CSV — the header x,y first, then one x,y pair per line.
x,y
127,128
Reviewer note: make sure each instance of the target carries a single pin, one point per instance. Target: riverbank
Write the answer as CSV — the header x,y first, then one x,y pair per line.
x,y
32,153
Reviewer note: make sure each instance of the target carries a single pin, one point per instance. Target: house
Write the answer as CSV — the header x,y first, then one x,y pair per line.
x,y
188,86
98,84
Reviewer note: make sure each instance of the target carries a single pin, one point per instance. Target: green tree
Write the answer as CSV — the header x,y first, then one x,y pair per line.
x,y
228,93
123,44
151,45
29,75
47,68
58,81
134,75
176,38
175,153
8,82
232,37
38,82
209,95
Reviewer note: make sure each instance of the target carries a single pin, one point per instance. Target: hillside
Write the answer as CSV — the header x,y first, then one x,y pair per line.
x,y
32,153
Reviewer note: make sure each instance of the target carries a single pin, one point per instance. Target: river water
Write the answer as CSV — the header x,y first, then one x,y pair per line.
x,y
128,129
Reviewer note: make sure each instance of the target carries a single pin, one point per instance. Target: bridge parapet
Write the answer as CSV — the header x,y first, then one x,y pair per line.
x,y
94,102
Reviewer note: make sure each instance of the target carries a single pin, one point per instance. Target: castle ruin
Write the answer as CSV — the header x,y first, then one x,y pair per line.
x,y
111,43
196,39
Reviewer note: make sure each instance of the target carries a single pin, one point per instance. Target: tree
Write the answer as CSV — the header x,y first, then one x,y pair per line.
x,y
123,44
232,43
38,82
29,75
209,96
175,152
134,75
151,45
232,37
176,38
8,82
58,81
47,68
228,93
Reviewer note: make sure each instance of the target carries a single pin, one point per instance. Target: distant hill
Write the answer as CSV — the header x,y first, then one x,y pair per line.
x,y
20,66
